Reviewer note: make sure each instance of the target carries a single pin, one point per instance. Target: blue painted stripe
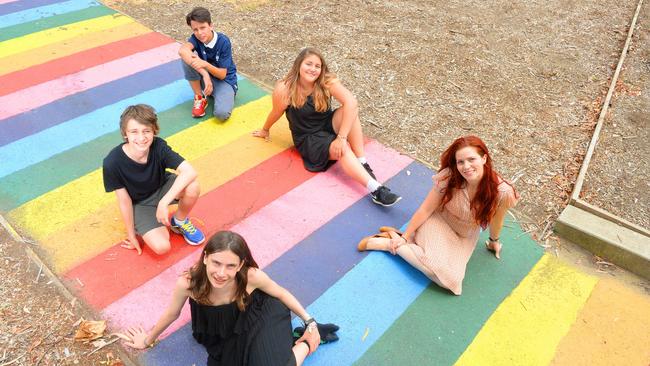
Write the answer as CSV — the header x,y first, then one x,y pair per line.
x,y
320,260
59,111
42,145
18,6
44,12
377,291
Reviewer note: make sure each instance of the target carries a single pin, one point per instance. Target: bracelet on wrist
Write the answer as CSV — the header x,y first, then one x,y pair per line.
x,y
344,138
310,324
493,240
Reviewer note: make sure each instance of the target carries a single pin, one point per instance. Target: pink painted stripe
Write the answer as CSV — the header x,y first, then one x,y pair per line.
x,y
35,96
7,1
270,232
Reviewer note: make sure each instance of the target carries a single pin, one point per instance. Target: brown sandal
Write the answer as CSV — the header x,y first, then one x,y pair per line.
x,y
386,229
363,244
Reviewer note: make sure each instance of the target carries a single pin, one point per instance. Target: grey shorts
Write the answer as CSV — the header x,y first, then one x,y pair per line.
x,y
144,212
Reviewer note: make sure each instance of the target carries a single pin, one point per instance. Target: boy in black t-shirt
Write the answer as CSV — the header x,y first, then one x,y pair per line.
x,y
136,171
207,62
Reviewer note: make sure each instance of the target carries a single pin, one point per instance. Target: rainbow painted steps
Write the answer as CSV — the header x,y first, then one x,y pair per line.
x,y
86,62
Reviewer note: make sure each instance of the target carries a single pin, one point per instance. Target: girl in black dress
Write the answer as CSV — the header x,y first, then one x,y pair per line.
x,y
239,314
320,134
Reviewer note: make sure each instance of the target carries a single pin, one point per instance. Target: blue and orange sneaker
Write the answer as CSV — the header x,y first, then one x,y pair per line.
x,y
192,235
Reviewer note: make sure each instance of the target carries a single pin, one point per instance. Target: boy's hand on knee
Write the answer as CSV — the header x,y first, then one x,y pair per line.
x,y
132,243
207,90
162,213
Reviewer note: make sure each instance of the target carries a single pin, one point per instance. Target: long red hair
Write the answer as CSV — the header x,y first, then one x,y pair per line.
x,y
485,201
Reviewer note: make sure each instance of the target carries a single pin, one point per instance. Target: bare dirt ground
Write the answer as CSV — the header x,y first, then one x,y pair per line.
x,y
617,179
37,323
526,77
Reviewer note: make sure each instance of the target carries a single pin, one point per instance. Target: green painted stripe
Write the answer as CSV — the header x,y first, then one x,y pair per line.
x,y
438,326
31,182
53,21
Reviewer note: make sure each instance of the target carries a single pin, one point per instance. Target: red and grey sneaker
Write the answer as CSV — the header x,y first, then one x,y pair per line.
x,y
200,103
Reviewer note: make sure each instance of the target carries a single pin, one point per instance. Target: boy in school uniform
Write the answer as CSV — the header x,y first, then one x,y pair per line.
x,y
208,66
136,171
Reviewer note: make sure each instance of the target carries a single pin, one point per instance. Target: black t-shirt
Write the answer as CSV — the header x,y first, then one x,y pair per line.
x,y
140,180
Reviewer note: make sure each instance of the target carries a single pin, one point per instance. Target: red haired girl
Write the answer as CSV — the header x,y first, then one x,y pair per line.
x,y
467,195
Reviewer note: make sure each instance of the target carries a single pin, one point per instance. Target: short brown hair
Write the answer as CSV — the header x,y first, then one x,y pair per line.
x,y
199,14
142,113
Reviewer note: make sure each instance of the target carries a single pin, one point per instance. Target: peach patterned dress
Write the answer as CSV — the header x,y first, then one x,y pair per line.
x,y
446,240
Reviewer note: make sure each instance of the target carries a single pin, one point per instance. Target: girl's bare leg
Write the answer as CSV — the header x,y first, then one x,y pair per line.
x,y
355,137
353,168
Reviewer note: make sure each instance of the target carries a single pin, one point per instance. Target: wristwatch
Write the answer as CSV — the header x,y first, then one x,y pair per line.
x,y
310,324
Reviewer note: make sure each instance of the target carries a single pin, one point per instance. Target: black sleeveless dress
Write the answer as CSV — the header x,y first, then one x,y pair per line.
x,y
259,336
312,134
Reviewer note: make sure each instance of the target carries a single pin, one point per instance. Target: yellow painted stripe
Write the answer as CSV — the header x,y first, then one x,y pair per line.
x,y
528,325
80,43
613,328
93,234
88,237
60,34
86,195
90,234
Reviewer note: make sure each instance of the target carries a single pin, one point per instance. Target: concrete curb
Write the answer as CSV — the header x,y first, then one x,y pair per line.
x,y
85,311
599,231
618,244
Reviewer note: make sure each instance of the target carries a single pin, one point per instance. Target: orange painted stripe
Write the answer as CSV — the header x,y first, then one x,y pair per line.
x,y
79,61
613,328
105,280
53,51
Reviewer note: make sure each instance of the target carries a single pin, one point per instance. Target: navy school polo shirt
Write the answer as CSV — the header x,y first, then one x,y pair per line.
x,y
219,56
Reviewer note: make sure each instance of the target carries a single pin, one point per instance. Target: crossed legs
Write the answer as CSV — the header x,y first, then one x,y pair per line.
x,y
409,252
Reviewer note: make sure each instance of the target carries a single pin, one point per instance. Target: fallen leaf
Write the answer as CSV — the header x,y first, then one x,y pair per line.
x,y
90,329
365,334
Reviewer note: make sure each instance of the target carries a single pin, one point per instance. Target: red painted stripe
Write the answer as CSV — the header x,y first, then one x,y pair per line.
x,y
74,63
115,272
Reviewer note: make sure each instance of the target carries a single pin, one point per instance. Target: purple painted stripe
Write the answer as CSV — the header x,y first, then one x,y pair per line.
x,y
73,106
23,101
12,7
271,232
317,262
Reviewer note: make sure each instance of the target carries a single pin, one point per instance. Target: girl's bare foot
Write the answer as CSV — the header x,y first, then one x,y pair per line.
x,y
494,247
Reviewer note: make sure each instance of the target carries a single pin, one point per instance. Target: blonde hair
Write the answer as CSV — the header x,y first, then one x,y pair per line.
x,y
321,94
